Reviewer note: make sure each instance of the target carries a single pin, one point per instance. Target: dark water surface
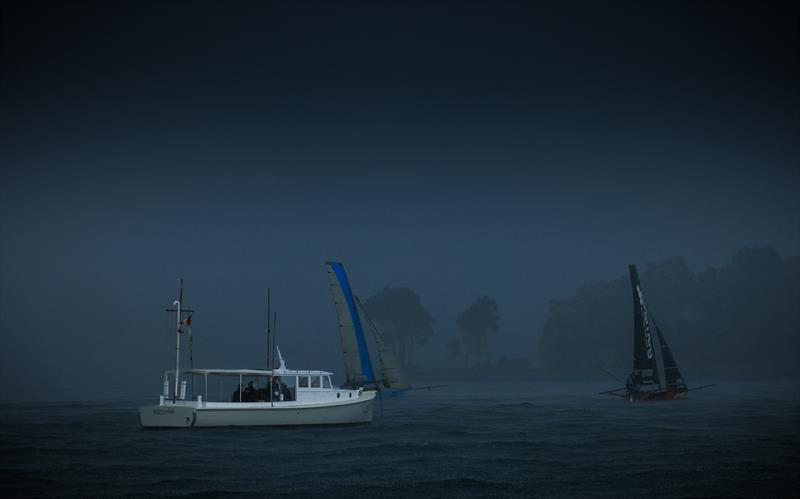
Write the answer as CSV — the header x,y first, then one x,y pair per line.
x,y
482,440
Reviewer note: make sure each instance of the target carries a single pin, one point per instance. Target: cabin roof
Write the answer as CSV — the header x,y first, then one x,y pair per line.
x,y
251,372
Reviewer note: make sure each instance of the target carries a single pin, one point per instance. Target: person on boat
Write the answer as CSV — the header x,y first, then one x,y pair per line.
x,y
632,385
276,388
249,393
237,394
634,380
285,392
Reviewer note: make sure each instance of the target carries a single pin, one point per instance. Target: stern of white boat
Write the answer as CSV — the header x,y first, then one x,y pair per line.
x,y
166,416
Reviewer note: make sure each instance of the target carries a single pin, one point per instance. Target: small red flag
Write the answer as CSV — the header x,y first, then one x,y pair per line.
x,y
187,321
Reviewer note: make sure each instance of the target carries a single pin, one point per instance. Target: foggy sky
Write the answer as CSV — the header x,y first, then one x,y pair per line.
x,y
515,150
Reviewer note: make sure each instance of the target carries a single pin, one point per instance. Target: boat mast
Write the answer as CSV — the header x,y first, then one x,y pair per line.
x,y
268,330
274,338
269,345
180,298
272,354
178,319
177,304
378,345
191,360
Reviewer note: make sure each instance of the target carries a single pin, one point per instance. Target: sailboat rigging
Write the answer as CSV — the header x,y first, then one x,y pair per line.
x,y
392,375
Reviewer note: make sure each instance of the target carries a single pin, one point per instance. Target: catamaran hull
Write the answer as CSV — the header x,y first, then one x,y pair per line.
x,y
656,396
167,416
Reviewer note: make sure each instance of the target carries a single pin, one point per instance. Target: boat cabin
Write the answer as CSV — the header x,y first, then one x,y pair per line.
x,y
254,386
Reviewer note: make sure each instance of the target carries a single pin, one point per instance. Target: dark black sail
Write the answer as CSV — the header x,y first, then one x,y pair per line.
x,y
672,375
645,364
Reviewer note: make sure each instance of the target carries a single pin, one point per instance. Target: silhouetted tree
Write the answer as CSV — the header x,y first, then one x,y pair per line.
x,y
402,317
739,318
475,323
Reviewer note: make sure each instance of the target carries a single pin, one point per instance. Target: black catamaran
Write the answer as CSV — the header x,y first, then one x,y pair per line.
x,y
655,374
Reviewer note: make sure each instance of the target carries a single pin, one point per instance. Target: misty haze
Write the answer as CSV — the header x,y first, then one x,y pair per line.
x,y
541,249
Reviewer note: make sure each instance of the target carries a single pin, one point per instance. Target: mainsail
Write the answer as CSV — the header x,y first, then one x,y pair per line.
x,y
357,364
392,374
647,364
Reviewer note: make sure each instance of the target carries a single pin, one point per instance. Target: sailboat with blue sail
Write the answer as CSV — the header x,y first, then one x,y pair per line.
x,y
359,369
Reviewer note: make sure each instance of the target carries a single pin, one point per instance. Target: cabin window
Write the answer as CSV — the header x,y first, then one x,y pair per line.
x,y
326,382
315,381
303,382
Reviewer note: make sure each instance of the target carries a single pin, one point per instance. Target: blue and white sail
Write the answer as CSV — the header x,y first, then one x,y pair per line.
x,y
357,363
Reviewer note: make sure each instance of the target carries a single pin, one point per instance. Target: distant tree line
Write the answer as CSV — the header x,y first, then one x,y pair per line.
x,y
407,324
739,319
474,326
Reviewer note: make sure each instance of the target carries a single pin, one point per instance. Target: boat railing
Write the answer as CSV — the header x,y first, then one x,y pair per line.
x,y
286,385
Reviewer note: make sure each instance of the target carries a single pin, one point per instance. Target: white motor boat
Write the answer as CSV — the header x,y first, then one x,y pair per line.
x,y
271,397
313,400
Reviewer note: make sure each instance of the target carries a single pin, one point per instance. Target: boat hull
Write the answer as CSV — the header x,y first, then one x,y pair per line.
x,y
257,414
166,416
656,396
